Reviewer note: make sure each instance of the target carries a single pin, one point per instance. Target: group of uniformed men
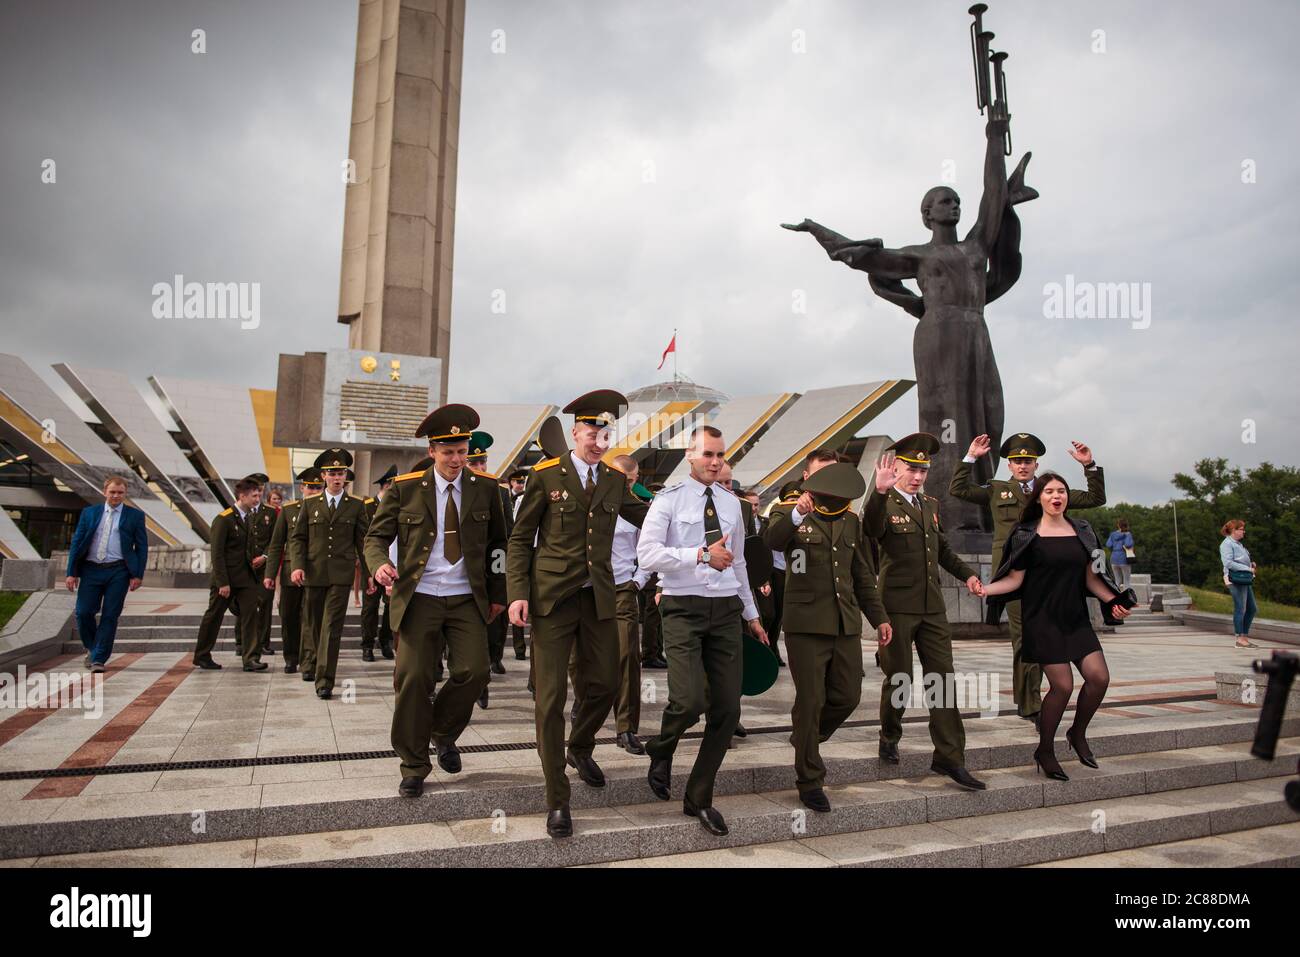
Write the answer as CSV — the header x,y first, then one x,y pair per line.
x,y
571,548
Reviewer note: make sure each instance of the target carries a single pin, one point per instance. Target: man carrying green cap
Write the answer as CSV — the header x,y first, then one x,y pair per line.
x,y
277,565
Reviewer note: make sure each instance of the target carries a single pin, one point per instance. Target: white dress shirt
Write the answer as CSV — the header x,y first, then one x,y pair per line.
x,y
107,544
673,534
583,470
441,579
332,500
623,556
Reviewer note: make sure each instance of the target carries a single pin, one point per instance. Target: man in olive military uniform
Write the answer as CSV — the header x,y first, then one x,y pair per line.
x,y
566,583
479,443
373,624
905,525
278,565
324,547
1006,499
233,583
518,478
829,587
261,523
448,584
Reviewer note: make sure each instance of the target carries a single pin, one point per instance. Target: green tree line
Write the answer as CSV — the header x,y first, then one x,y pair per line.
x,y
1266,498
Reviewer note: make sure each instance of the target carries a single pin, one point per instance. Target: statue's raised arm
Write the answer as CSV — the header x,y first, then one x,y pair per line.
x,y
868,255
994,201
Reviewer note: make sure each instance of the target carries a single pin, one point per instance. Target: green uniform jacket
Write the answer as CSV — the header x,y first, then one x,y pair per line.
x,y
1006,500
574,540
328,551
409,513
261,525
836,586
279,544
912,549
231,555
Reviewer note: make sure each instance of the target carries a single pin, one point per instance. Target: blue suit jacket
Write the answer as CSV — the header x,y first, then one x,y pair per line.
x,y
134,543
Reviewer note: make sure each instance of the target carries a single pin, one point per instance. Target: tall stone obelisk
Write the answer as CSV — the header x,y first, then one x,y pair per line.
x,y
399,221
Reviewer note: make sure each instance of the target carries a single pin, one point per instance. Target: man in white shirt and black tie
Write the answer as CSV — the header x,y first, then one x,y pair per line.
x,y
694,536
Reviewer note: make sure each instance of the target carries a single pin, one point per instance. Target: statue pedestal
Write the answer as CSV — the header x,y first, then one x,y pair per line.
x,y
966,611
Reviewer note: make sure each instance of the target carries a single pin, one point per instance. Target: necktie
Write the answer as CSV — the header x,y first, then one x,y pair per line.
x,y
712,527
331,504
1026,487
451,530
103,541
590,485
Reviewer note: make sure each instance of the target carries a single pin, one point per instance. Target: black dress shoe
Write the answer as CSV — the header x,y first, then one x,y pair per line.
x,y
960,775
290,669
630,743
523,657
259,666
207,664
448,758
888,752
655,663
367,654
411,787
660,777
268,650
707,816
559,823
740,731
386,651
588,770
483,698
780,661
498,668
309,676
324,693
816,800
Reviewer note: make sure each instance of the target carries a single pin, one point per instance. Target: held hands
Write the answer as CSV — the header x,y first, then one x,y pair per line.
x,y
885,634
519,613
1119,611
885,477
975,586
386,575
718,555
979,447
1080,453
756,629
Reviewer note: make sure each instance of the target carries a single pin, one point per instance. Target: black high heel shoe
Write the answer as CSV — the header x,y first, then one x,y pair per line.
x,y
1053,766
1084,753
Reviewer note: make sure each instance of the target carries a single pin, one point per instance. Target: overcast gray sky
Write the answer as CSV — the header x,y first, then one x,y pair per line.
x,y
225,167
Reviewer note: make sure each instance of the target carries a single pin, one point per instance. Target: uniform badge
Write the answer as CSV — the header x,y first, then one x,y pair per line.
x,y
555,495
708,512
565,495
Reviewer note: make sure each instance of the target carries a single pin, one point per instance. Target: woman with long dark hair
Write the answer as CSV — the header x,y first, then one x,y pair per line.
x,y
1052,563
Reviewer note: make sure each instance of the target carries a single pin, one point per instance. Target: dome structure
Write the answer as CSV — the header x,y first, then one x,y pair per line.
x,y
677,390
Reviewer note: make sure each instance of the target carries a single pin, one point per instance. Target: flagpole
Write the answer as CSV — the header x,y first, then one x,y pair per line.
x,y
676,377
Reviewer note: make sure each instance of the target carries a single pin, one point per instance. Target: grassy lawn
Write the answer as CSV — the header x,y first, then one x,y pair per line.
x,y
1221,602
10,602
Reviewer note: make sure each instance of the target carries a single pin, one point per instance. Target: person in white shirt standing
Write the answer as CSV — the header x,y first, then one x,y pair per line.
x,y
686,538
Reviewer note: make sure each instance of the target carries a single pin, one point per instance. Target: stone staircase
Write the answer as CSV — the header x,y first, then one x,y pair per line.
x,y
176,633
1164,785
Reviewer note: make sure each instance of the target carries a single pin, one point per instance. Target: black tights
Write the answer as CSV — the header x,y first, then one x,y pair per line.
x,y
1096,677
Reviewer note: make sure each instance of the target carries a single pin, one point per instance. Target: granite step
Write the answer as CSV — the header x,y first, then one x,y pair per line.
x,y
1275,846
1160,756
1130,802
1130,831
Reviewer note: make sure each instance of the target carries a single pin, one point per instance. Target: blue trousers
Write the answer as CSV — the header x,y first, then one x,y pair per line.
x,y
101,591
1243,608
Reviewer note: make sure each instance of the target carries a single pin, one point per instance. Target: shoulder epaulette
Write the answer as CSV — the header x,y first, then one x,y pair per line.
x,y
369,500
669,488
548,463
228,511
611,465
407,476
727,490
486,475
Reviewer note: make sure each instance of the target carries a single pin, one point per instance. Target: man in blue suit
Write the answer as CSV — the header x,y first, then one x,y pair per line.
x,y
107,559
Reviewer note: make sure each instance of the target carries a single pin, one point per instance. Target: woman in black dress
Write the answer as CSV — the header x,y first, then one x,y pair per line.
x,y
1050,563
